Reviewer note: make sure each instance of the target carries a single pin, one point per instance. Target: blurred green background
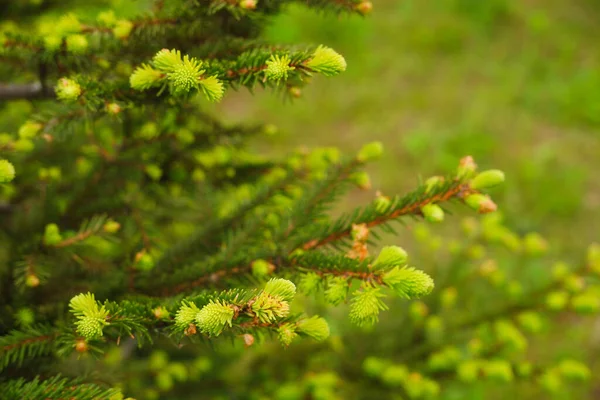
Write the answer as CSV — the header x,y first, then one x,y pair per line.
x,y
514,83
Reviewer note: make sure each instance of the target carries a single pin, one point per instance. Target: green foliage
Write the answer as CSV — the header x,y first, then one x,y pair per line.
x,y
129,190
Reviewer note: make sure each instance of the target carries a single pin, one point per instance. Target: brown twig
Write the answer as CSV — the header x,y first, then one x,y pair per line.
x,y
29,341
414,208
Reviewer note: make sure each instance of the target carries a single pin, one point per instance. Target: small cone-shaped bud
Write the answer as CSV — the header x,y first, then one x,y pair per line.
x,y
327,61
113,108
315,327
382,203
122,29
90,327
144,261
269,307
481,203
144,77
487,206
295,92
361,179
282,288
364,7
67,90
391,256
32,281
337,290
29,129
286,333
77,44
7,171
161,313
91,317
213,317
487,179
309,282
186,314
248,339
433,182
52,235
365,306
154,171
190,330
360,232
185,76
409,282
466,168
278,67
81,346
432,212
248,4
25,316
370,151
212,88
167,60
111,226
262,268
83,303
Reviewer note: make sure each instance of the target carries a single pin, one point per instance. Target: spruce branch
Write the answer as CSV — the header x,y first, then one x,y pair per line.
x,y
20,346
239,252
411,204
56,387
203,239
91,227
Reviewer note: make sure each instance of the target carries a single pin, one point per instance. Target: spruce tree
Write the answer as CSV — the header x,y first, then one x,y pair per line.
x,y
132,218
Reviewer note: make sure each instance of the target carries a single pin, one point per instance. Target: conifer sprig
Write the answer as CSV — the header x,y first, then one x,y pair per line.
x,y
56,387
20,346
410,204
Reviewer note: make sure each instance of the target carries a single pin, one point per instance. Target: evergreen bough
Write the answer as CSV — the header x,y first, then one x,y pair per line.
x,y
130,215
